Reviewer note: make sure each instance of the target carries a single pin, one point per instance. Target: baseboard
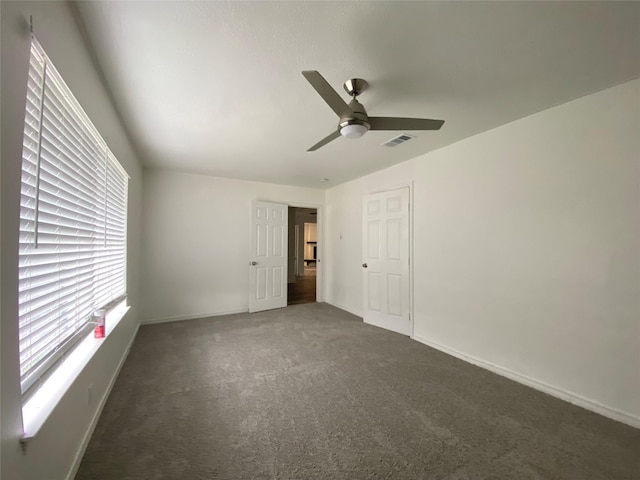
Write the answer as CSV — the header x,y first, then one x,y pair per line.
x,y
191,317
554,391
94,421
351,311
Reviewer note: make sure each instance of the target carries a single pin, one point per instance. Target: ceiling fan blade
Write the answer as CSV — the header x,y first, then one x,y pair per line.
x,y
324,141
394,123
327,92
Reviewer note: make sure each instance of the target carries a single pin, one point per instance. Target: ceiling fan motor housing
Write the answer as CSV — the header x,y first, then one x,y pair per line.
x,y
356,123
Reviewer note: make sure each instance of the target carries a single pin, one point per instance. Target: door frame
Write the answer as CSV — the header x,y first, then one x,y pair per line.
x,y
319,244
387,188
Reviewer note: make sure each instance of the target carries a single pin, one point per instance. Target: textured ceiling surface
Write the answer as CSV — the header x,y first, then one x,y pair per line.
x,y
216,88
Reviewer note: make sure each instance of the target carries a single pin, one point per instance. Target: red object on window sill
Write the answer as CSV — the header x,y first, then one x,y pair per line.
x,y
98,331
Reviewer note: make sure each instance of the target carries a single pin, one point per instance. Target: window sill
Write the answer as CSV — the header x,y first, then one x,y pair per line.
x,y
38,408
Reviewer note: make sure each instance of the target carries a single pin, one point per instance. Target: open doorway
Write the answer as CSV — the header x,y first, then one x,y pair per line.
x,y
302,255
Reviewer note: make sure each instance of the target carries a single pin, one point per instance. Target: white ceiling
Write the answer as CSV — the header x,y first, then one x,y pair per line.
x,y
215,87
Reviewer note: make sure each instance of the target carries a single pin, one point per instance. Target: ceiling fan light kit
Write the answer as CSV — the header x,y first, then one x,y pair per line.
x,y
353,129
354,121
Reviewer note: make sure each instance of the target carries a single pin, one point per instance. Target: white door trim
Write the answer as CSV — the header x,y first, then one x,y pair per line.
x,y
396,186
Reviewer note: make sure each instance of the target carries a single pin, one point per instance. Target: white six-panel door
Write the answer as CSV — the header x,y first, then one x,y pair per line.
x,y
268,260
385,263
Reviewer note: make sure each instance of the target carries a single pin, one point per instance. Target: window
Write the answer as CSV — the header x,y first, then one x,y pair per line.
x,y
72,258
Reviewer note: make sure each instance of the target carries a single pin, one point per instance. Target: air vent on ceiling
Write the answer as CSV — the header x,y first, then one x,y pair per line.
x,y
398,140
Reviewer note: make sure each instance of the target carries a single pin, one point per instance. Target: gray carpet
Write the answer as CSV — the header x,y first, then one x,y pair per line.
x,y
310,392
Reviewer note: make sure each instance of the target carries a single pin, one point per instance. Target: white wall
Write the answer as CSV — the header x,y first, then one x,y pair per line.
x,y
51,454
195,260
526,248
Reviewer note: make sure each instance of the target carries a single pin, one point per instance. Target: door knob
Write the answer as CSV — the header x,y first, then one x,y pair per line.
x,y
364,265
253,264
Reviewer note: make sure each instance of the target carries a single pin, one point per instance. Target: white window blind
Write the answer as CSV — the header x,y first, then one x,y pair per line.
x,y
72,258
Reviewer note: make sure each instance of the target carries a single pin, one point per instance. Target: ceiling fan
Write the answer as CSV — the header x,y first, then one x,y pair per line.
x,y
354,121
